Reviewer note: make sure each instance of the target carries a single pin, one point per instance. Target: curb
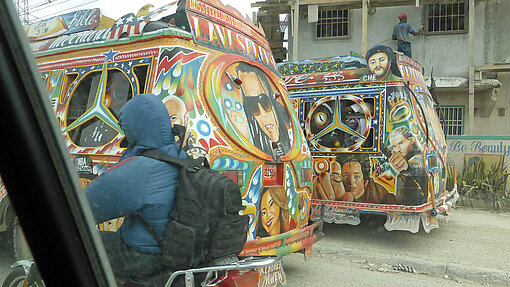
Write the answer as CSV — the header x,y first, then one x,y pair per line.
x,y
452,270
473,203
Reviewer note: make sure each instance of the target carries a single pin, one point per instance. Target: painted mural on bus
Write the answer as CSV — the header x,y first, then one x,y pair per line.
x,y
214,71
375,138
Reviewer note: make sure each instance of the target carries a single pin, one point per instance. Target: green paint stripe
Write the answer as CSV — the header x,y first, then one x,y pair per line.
x,y
73,48
285,250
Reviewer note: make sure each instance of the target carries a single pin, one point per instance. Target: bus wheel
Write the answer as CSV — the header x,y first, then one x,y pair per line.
x,y
21,249
16,278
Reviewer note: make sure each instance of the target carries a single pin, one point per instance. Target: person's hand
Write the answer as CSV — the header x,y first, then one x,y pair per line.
x,y
336,180
398,162
322,187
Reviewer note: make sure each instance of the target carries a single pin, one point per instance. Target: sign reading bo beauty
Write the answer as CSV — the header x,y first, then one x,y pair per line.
x,y
479,146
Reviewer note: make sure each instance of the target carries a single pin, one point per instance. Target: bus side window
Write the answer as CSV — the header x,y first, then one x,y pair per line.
x,y
118,91
370,103
306,109
141,76
94,132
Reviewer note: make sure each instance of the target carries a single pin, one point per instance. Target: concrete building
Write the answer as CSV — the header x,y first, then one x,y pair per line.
x,y
464,43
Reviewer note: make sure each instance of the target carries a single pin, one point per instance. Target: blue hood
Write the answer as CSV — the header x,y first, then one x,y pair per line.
x,y
146,123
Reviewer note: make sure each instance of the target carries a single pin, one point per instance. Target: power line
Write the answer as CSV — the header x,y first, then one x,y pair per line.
x,y
46,5
70,8
39,4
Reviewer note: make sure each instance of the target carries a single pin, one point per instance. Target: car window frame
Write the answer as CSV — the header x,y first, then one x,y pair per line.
x,y
36,169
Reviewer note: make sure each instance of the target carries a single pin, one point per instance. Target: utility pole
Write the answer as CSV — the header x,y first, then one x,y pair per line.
x,y
22,8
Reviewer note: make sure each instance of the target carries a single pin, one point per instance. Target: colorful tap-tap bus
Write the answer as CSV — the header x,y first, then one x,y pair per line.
x,y
214,70
376,140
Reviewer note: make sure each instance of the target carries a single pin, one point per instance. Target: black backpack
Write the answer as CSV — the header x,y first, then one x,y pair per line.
x,y
205,224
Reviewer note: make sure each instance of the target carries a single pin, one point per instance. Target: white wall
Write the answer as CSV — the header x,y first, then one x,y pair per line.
x,y
430,51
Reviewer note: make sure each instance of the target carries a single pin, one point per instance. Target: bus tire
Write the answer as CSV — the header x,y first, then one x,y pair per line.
x,y
15,278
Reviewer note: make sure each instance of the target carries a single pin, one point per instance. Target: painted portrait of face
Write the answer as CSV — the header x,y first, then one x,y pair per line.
x,y
268,120
259,104
178,113
402,141
177,110
270,214
379,65
233,104
352,177
274,213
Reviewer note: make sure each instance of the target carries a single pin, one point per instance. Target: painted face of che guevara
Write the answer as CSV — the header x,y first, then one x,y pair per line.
x,y
270,214
352,176
259,104
379,65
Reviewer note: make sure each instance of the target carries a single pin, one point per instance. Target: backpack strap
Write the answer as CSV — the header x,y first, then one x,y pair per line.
x,y
149,228
190,164
161,156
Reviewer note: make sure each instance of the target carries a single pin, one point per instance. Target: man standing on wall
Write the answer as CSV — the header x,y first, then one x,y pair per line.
x,y
401,33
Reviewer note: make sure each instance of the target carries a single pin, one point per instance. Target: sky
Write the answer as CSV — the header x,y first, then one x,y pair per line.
x,y
115,8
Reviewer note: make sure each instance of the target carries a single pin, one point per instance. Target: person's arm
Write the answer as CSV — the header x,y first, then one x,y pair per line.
x,y
116,193
394,35
411,31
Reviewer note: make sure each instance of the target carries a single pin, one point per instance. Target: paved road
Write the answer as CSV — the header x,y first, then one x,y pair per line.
x,y
473,249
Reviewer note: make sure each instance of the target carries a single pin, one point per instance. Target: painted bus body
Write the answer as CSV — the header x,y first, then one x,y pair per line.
x,y
376,141
215,73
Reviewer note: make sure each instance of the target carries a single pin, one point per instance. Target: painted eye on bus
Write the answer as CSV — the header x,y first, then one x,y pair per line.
x,y
238,106
321,119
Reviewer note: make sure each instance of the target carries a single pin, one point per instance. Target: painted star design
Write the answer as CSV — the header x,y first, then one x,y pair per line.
x,y
120,21
98,108
110,56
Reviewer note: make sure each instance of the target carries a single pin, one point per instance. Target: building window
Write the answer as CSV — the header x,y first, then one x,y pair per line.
x,y
332,23
452,119
446,18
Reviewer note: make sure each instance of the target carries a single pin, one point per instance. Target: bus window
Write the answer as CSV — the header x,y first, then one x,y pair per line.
x,y
94,125
338,123
141,76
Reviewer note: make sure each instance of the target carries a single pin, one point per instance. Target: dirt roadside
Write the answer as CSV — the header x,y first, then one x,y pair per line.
x,y
470,248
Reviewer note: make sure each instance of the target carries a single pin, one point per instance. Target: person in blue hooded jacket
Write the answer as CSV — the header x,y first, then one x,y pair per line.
x,y
138,184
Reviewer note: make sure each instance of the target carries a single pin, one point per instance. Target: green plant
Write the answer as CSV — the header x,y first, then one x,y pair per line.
x,y
482,182
495,183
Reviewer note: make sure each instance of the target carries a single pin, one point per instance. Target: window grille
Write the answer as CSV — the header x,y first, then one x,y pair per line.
x,y
452,120
332,23
450,17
